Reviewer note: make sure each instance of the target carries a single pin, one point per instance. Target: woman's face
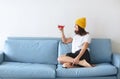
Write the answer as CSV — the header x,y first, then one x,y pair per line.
x,y
76,28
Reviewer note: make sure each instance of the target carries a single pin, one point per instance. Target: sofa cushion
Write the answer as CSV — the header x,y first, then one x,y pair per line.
x,y
104,69
26,70
108,77
64,48
31,50
100,50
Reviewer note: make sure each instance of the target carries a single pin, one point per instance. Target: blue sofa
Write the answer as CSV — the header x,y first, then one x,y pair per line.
x,y
36,58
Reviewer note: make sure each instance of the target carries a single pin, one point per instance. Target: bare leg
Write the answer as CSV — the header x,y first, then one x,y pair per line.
x,y
66,59
84,63
67,65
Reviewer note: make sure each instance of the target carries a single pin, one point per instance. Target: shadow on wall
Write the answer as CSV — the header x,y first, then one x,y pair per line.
x,y
115,46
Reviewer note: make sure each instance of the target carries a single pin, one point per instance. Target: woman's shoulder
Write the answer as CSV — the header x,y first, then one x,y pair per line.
x,y
87,35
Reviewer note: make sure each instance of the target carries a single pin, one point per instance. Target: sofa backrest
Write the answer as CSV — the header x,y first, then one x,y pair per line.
x,y
100,50
31,50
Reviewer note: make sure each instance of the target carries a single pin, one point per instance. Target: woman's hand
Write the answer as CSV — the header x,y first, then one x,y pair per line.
x,y
76,60
61,29
64,39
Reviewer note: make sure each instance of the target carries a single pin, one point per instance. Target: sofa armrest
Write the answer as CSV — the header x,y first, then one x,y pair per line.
x,y
116,62
1,57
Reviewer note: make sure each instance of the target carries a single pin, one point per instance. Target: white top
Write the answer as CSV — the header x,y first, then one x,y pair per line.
x,y
78,41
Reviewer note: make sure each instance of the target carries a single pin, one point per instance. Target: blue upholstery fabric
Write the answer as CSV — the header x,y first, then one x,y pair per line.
x,y
104,69
36,58
113,77
100,51
27,70
1,56
116,62
64,48
28,78
31,50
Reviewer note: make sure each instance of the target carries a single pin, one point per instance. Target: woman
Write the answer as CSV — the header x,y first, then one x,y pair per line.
x,y
80,54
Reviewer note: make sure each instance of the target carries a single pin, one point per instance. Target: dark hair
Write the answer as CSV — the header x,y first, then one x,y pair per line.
x,y
81,31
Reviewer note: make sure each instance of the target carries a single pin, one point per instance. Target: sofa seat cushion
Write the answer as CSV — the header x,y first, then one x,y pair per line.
x,y
27,70
104,69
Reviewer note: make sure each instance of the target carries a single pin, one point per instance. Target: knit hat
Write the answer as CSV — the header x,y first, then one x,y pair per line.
x,y
81,22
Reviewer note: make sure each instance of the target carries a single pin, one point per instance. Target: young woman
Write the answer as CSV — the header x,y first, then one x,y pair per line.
x,y
80,54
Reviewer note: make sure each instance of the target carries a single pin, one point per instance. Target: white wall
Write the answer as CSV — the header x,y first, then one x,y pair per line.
x,y
39,18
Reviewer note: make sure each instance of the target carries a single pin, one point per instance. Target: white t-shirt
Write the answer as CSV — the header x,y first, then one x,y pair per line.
x,y
78,41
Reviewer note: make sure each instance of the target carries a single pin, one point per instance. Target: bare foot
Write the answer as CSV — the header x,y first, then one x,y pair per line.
x,y
68,65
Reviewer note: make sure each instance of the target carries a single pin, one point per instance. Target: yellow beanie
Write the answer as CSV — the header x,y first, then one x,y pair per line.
x,y
81,22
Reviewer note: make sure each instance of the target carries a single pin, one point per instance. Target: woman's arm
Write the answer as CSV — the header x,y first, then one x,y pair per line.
x,y
85,46
64,39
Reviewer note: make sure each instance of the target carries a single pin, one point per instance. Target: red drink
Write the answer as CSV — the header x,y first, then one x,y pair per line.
x,y
60,26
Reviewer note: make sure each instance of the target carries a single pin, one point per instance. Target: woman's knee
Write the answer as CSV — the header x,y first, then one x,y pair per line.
x,y
60,58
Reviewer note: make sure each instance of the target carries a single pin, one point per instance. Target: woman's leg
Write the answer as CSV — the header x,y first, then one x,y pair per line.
x,y
66,59
68,65
85,59
84,63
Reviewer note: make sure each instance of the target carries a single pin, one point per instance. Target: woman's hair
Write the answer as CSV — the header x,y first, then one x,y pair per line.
x,y
81,31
